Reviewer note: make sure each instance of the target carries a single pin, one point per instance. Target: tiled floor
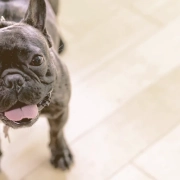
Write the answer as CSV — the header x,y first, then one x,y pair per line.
x,y
124,60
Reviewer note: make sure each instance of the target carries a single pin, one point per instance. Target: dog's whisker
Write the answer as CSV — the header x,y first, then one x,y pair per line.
x,y
2,18
60,47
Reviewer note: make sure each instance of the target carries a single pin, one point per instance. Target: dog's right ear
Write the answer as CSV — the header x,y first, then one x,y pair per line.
x,y
36,17
36,14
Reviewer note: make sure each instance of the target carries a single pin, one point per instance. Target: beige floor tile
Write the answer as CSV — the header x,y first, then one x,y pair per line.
x,y
127,173
162,10
120,78
124,134
116,34
28,148
162,160
104,86
167,12
47,172
147,6
82,20
3,176
81,16
87,108
97,32
131,173
66,35
123,76
25,154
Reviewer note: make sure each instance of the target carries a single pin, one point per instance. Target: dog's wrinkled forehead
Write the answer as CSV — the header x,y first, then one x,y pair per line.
x,y
21,37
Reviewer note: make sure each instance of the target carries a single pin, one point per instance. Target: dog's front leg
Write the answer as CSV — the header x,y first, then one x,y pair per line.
x,y
61,156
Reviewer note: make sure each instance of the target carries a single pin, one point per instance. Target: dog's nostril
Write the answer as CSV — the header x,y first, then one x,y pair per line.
x,y
8,83
13,81
20,82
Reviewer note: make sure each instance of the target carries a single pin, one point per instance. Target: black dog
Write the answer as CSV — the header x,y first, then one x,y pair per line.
x,y
31,73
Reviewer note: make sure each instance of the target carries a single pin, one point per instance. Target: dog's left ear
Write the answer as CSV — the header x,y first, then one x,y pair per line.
x,y
36,16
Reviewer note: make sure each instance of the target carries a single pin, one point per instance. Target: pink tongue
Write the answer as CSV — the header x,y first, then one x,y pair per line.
x,y
30,112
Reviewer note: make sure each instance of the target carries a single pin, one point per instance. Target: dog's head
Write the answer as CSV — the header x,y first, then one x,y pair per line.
x,y
27,73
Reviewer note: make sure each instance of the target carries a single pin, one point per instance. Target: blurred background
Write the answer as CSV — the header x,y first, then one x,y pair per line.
x,y
124,124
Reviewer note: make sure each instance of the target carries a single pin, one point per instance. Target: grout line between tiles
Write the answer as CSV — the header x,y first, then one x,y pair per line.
x,y
104,120
131,161
120,105
143,171
117,171
107,118
32,170
106,60
149,18
90,70
111,15
155,142
94,68
135,166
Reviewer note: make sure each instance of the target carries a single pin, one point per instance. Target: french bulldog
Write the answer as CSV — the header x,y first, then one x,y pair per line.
x,y
33,80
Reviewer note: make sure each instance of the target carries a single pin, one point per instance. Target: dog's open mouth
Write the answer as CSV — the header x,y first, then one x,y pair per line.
x,y
21,113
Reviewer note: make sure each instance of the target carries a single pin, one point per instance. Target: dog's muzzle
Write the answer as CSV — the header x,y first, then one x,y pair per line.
x,y
25,121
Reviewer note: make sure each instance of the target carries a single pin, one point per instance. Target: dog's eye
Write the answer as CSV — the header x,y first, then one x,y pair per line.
x,y
37,61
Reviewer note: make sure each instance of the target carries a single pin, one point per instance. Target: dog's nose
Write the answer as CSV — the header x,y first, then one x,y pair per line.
x,y
14,81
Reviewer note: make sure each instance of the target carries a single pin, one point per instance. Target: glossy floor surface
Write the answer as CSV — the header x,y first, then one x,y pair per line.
x,y
124,60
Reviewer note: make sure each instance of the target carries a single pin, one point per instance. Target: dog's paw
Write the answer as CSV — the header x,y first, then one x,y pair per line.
x,y
62,159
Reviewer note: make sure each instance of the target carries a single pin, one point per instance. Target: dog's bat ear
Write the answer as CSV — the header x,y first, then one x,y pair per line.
x,y
36,17
36,14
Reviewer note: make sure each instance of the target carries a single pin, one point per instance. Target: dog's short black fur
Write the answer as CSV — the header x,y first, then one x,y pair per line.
x,y
31,72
